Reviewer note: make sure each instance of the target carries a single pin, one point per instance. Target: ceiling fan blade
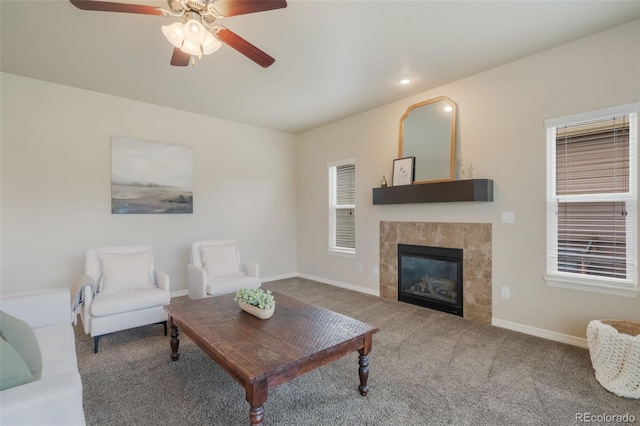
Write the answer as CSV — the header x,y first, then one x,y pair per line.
x,y
243,46
242,7
179,58
105,6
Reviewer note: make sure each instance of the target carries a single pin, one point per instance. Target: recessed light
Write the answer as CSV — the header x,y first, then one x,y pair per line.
x,y
448,108
405,79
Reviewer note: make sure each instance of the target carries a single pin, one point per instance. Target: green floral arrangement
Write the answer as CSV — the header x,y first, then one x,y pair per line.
x,y
256,297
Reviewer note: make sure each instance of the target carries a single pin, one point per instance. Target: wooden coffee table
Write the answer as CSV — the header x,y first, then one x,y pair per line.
x,y
260,354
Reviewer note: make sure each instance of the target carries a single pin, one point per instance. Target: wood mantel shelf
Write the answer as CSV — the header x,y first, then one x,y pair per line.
x,y
437,192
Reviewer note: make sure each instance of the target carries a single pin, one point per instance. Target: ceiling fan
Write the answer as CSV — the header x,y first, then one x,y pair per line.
x,y
195,33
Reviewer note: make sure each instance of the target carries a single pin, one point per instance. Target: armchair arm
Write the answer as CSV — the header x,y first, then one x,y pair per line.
x,y
197,280
85,312
40,308
250,268
82,291
162,279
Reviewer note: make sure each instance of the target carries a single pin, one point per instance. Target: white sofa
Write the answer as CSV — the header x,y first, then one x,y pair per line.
x,y
56,398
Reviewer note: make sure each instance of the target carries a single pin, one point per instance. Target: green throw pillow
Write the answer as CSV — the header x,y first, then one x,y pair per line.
x,y
13,370
20,336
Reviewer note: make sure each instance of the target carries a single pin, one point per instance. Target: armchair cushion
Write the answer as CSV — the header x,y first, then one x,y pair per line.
x,y
21,338
225,285
125,271
110,304
13,369
221,260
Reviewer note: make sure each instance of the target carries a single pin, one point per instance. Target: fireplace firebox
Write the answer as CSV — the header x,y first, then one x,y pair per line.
x,y
431,277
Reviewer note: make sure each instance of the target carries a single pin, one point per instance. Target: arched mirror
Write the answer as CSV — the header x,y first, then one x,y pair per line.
x,y
428,133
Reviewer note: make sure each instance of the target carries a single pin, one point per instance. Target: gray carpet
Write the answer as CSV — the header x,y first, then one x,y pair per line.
x,y
426,368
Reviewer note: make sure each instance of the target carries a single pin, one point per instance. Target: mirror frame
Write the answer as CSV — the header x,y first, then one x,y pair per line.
x,y
452,154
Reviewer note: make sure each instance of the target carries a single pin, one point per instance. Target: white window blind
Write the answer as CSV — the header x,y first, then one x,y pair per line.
x,y
342,206
592,204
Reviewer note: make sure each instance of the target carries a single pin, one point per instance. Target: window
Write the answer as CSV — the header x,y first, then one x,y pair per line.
x,y
592,201
342,206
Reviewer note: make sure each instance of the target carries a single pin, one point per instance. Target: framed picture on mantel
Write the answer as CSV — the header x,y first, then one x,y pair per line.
x,y
403,171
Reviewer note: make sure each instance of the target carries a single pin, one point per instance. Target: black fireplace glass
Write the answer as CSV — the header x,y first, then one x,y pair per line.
x,y
431,277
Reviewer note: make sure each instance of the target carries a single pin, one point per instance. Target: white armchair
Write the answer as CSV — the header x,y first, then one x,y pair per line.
x,y
216,268
121,290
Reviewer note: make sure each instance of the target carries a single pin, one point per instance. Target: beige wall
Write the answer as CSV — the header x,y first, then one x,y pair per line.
x,y
56,171
501,131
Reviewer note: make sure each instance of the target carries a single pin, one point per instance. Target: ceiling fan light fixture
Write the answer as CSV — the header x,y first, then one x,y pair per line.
x,y
174,33
211,44
191,48
195,32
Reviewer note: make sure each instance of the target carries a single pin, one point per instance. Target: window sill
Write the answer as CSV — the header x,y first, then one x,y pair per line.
x,y
342,252
593,286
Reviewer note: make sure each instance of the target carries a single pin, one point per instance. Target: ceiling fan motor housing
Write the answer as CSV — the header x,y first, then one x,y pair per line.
x,y
193,5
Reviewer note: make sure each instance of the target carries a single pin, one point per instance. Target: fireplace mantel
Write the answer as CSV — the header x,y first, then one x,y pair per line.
x,y
437,192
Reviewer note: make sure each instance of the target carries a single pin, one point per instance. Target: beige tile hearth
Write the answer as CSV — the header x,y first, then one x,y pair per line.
x,y
473,238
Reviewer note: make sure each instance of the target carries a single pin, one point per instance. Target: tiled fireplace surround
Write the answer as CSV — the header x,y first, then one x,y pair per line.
x,y
473,238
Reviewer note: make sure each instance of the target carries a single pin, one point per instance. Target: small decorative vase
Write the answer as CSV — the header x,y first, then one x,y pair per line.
x,y
383,182
255,311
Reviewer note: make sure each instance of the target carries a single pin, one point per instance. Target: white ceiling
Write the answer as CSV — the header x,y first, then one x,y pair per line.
x,y
333,58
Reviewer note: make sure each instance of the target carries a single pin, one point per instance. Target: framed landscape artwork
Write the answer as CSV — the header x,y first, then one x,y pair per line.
x,y
150,177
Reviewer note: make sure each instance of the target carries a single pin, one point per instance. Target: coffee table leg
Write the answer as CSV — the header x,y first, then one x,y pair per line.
x,y
174,342
256,415
256,397
363,361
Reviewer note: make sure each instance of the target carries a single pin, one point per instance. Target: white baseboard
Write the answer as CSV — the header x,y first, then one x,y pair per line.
x,y
340,284
540,332
179,293
279,277
322,280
